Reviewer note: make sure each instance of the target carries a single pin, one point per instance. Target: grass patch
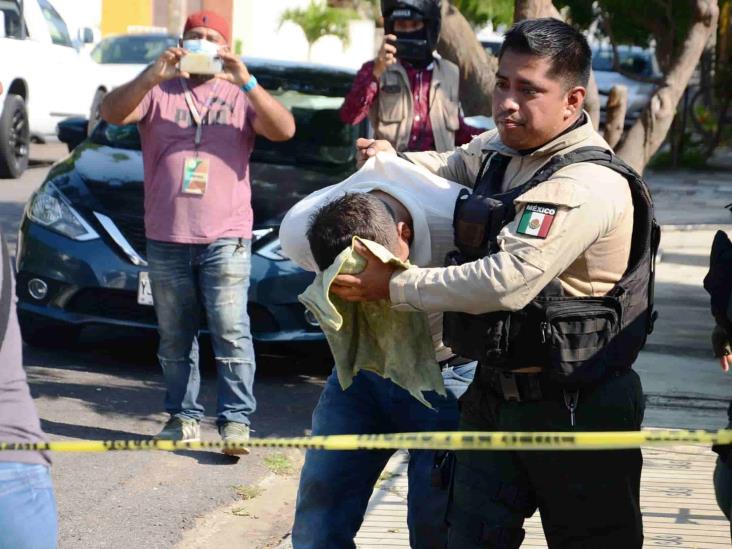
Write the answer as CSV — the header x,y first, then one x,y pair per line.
x,y
693,158
279,464
248,492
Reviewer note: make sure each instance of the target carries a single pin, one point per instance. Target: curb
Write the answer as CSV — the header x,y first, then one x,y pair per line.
x,y
696,227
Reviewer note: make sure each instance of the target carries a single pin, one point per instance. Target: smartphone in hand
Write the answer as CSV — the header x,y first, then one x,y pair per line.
x,y
201,63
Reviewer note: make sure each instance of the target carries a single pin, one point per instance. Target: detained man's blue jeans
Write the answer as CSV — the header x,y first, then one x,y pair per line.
x,y
335,486
28,518
186,280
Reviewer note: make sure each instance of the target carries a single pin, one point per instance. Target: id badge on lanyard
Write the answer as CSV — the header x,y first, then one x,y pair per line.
x,y
196,169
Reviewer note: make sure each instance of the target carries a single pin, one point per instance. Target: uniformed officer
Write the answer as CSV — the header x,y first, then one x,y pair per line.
x,y
550,289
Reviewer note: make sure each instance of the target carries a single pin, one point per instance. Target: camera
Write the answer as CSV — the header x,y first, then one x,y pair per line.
x,y
409,48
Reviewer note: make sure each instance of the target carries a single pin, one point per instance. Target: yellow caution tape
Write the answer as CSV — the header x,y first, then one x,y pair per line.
x,y
461,440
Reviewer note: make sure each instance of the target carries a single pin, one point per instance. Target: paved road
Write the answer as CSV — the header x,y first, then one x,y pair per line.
x,y
110,388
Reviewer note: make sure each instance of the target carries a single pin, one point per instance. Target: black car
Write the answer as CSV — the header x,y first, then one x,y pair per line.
x,y
81,246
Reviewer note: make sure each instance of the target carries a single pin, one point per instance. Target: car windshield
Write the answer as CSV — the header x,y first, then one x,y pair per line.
x,y
313,95
633,60
138,49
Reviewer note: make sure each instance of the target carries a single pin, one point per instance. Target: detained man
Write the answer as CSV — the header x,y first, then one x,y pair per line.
x,y
408,212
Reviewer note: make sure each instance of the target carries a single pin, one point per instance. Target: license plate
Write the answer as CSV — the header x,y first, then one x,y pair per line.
x,y
144,292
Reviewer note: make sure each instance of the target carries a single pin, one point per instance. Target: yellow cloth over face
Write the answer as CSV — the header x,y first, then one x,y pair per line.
x,y
371,335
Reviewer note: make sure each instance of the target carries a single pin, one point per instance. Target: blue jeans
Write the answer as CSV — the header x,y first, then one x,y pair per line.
x,y
187,279
335,486
28,517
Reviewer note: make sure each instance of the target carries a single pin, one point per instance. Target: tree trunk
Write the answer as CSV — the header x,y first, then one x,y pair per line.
x,y
617,104
592,101
459,44
649,131
534,9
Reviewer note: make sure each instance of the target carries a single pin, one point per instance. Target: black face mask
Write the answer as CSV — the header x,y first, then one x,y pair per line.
x,y
414,50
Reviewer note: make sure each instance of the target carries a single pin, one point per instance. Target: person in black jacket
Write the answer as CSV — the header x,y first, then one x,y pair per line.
x,y
718,283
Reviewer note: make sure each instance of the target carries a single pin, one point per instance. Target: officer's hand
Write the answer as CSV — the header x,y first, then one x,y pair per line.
x,y
386,55
722,347
235,71
371,284
166,66
369,147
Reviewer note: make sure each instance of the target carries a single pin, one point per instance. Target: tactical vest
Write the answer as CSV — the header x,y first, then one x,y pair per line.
x,y
576,340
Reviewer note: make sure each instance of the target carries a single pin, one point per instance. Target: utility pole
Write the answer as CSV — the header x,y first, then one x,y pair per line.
x,y
176,14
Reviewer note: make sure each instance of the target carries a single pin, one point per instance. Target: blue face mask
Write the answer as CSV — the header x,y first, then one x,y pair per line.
x,y
201,46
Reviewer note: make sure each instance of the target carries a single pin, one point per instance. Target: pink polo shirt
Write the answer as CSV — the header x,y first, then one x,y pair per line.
x,y
167,133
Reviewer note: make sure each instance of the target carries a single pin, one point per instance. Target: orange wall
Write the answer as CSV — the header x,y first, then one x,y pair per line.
x,y
119,15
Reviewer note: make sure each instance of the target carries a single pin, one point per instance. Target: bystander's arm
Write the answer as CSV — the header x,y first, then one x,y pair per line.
x,y
365,87
273,120
120,105
361,96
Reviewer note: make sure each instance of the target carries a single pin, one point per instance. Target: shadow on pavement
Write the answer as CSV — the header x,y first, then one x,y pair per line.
x,y
209,458
84,432
116,375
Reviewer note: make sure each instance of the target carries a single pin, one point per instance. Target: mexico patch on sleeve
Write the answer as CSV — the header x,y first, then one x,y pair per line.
x,y
536,220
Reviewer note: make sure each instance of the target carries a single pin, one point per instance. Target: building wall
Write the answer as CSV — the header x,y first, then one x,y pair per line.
x,y
119,15
256,25
256,29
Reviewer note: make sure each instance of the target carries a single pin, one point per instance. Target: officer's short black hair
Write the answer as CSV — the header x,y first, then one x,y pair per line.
x,y
551,38
333,226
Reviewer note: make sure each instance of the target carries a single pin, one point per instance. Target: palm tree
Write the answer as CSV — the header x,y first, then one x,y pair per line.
x,y
319,20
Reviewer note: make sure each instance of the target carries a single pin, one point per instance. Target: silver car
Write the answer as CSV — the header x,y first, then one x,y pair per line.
x,y
637,61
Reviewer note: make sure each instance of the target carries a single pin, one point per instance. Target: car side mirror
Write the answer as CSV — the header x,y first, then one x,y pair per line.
x,y
86,35
2,25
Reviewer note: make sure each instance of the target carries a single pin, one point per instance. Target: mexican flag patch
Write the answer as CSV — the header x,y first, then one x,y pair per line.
x,y
536,220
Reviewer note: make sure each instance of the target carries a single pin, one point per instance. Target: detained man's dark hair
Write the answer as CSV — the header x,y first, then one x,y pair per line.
x,y
333,226
567,48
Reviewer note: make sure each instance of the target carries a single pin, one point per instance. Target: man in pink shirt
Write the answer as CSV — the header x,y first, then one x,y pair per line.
x,y
197,134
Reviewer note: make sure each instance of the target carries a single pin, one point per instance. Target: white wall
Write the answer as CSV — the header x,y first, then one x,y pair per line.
x,y
257,24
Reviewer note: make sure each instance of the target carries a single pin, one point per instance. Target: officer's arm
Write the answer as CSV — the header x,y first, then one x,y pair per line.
x,y
460,165
512,277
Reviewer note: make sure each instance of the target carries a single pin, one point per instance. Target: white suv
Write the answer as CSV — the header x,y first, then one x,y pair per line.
x,y
45,78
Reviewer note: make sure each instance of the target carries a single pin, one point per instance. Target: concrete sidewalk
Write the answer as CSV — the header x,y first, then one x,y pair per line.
x,y
676,500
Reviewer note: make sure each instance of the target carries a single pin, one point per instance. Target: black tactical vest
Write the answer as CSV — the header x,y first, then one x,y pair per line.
x,y
576,340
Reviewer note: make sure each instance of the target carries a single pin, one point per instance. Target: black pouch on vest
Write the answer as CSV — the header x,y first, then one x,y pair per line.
x,y
477,221
483,337
577,334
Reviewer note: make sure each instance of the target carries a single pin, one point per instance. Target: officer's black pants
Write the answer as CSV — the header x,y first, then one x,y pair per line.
x,y
587,499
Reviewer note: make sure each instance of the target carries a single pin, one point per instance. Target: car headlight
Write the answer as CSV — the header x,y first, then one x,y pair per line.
x,y
267,244
50,209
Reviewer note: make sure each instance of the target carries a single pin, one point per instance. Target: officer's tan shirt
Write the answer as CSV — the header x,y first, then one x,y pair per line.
x,y
587,247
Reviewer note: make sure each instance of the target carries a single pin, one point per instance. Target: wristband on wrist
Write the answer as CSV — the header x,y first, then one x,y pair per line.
x,y
250,85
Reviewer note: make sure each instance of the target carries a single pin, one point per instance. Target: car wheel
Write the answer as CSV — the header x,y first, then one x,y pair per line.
x,y
14,137
95,114
38,331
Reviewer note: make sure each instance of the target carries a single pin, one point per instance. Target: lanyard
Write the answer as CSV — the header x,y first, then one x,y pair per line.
x,y
197,116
